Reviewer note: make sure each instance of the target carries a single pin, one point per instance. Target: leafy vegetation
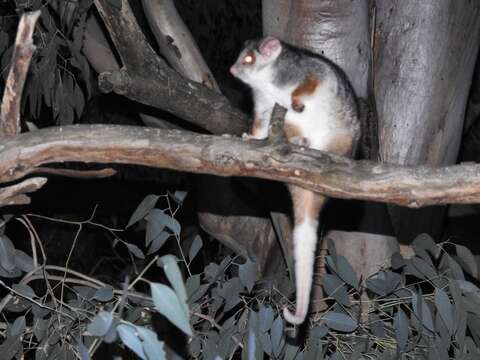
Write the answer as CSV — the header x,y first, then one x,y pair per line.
x,y
425,306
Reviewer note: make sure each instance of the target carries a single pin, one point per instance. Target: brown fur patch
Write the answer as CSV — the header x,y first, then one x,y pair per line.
x,y
307,87
341,144
306,204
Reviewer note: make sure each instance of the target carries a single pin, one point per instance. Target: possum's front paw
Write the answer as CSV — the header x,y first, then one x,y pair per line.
x,y
246,136
300,141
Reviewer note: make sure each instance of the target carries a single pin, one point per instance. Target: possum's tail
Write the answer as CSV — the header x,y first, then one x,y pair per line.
x,y
306,209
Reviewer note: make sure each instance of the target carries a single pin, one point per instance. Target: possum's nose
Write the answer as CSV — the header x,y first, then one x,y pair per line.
x,y
233,70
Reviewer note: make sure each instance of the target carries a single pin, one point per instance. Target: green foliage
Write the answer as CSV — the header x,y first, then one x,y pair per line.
x,y
426,306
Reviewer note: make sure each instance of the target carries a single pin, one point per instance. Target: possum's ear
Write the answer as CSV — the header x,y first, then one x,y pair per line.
x,y
270,47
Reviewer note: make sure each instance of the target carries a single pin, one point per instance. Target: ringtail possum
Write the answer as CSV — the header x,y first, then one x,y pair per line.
x,y
321,114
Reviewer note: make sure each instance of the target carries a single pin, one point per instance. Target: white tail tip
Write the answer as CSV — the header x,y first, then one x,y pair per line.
x,y
295,319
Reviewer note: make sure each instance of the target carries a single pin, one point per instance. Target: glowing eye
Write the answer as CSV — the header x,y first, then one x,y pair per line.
x,y
248,59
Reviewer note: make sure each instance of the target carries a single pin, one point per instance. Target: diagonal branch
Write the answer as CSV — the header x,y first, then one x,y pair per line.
x,y
22,54
331,175
146,78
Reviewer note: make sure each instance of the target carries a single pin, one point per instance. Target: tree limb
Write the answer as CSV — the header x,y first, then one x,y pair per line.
x,y
325,173
176,42
146,78
15,194
22,54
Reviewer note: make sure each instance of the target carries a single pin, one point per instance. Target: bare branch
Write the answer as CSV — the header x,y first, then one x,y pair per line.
x,y
146,78
15,194
79,174
22,54
176,42
325,173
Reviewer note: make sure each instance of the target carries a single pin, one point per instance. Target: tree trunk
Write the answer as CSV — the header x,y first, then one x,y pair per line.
x,y
425,53
340,31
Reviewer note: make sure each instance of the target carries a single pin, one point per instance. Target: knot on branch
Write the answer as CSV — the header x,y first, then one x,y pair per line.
x,y
276,132
116,81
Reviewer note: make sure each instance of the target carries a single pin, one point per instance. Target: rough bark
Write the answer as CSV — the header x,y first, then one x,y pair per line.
x,y
325,173
339,30
16,194
146,78
425,55
336,29
176,42
22,54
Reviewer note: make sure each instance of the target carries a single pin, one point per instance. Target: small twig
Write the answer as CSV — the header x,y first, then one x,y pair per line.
x,y
24,220
22,54
78,174
33,301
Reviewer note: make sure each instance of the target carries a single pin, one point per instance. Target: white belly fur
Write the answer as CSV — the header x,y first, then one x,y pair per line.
x,y
317,120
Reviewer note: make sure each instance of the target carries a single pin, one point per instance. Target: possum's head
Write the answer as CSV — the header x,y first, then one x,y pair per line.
x,y
253,65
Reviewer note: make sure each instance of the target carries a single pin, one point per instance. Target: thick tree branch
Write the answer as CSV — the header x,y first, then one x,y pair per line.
x,y
331,175
22,54
146,78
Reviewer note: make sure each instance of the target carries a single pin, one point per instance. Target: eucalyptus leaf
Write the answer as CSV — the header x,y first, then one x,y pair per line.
x,y
19,326
192,285
212,270
158,241
104,294
100,324
154,226
135,250
23,261
83,351
24,290
277,336
319,332
174,276
265,318
7,253
467,257
467,286
397,261
169,305
179,196
143,209
230,292
248,274
195,247
445,309
425,241
339,265
163,220
400,323
422,311
152,347
377,326
340,322
128,335
265,342
427,271
335,288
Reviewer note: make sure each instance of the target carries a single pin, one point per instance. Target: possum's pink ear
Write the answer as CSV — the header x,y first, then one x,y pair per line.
x,y
270,47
